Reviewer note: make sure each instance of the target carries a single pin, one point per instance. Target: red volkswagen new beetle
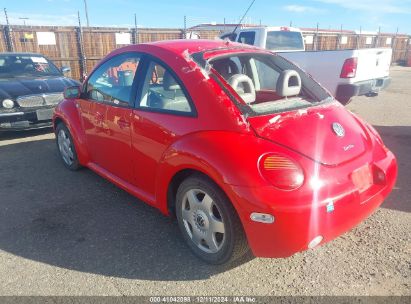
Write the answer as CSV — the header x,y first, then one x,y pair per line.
x,y
243,147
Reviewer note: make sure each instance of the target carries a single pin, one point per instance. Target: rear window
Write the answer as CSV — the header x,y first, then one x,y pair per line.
x,y
247,38
284,40
265,83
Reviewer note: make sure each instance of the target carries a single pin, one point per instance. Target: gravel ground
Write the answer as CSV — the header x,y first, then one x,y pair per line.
x,y
65,233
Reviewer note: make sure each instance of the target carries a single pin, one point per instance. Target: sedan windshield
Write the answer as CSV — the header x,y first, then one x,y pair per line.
x,y
15,65
265,83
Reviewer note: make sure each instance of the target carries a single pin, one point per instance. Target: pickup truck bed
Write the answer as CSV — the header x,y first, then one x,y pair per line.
x,y
370,77
345,73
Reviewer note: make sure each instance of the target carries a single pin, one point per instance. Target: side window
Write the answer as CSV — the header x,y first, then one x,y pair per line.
x,y
247,38
163,92
113,80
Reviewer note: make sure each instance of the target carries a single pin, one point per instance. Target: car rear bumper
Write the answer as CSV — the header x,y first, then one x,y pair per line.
x,y
368,87
295,226
26,119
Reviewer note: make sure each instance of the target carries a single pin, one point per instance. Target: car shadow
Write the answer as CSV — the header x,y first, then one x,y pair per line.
x,y
78,220
24,134
398,140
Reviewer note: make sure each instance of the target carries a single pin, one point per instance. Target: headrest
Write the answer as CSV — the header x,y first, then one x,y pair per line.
x,y
225,67
169,83
288,83
244,87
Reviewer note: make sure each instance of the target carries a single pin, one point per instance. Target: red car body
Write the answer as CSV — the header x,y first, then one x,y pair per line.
x,y
146,153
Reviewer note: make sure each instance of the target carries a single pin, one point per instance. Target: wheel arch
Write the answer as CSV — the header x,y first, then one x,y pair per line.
x,y
176,181
67,113
201,154
216,155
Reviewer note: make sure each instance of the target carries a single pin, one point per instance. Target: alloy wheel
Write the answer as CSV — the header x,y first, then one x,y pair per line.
x,y
203,221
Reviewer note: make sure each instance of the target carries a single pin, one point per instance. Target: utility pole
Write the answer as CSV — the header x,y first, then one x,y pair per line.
x,y
83,59
8,33
86,9
185,27
24,20
316,39
135,29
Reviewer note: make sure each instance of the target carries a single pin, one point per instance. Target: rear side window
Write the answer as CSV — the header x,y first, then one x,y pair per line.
x,y
247,38
112,81
284,40
163,92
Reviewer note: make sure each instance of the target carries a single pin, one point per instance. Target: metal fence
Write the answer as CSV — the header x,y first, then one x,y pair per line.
x,y
81,48
400,44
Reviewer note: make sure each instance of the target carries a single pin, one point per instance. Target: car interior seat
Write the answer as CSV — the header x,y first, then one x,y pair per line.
x,y
174,98
244,87
288,83
225,67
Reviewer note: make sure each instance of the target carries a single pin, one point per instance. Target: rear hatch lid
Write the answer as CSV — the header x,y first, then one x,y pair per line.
x,y
327,134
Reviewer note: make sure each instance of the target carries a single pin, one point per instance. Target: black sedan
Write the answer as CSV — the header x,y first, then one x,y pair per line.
x,y
30,88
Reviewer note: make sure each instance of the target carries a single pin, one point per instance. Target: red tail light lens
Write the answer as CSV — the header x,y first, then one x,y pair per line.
x,y
349,68
282,172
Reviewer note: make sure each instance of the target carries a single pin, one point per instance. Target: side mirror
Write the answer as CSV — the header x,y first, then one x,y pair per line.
x,y
72,92
65,69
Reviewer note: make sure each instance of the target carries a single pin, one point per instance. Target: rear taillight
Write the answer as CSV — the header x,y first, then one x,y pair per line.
x,y
349,68
282,172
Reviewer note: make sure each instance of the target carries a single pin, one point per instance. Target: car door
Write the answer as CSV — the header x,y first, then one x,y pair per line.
x,y
106,112
163,111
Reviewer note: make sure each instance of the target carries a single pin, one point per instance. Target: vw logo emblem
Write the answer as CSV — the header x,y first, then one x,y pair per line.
x,y
338,129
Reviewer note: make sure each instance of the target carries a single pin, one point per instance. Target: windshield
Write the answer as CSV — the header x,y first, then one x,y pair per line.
x,y
284,40
267,83
13,65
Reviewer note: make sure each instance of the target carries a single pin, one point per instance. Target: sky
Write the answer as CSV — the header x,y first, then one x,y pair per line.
x,y
368,15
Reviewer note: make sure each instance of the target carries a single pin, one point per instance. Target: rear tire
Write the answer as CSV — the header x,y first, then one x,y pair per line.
x,y
66,148
208,222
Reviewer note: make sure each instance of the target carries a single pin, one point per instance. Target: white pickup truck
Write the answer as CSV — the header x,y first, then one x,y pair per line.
x,y
345,73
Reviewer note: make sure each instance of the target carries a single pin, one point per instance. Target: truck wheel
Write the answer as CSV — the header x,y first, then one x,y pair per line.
x,y
66,147
208,221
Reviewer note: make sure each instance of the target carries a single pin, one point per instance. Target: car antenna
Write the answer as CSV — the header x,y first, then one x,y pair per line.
x,y
241,20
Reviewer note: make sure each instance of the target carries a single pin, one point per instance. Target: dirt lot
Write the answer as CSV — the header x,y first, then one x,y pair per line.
x,y
65,233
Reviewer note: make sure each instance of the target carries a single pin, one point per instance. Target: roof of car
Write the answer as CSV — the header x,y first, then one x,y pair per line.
x,y
197,45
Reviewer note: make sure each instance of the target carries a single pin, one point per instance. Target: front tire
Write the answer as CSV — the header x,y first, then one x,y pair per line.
x,y
66,148
209,222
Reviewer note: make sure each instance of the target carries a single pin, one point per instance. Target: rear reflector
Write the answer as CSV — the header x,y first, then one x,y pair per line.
x,y
379,177
349,68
